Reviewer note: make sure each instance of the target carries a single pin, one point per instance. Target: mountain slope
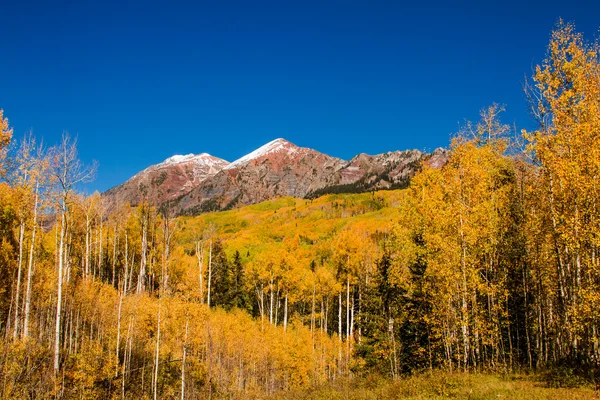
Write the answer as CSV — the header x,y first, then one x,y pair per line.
x,y
198,183
391,170
165,181
279,168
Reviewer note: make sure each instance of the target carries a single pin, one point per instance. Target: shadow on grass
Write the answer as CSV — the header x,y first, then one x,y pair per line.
x,y
443,385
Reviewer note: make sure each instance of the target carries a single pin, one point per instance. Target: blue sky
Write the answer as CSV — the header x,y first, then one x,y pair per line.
x,y
139,82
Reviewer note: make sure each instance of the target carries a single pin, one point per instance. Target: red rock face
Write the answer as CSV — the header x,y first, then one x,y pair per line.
x,y
438,158
379,171
278,168
389,170
165,181
195,184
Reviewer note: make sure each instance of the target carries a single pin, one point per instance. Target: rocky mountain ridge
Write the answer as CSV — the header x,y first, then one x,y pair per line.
x,y
192,184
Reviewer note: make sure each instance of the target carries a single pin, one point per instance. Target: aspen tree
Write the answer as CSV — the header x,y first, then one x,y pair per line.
x,y
565,99
68,172
39,164
25,181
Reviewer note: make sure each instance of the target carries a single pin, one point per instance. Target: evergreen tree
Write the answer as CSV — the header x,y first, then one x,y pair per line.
x,y
238,296
379,314
221,277
414,332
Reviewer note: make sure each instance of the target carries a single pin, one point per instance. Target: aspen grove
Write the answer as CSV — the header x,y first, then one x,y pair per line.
x,y
489,263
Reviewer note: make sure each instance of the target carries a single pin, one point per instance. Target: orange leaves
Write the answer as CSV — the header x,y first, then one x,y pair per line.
x,y
564,195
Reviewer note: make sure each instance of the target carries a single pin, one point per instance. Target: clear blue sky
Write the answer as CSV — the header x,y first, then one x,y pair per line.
x,y
139,82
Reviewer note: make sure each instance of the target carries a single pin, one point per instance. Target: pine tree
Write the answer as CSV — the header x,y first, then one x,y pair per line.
x,y
414,331
238,296
380,311
221,293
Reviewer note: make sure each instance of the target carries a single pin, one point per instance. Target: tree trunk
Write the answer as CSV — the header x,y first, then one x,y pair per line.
x,y
262,307
326,313
183,360
285,315
347,307
209,272
359,314
30,266
271,302
312,316
340,331
352,317
59,289
322,310
127,357
167,239
114,256
19,272
142,275
118,335
87,245
126,273
278,305
100,247
156,357
464,326
200,256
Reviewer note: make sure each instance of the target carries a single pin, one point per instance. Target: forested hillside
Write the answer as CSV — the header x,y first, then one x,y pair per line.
x,y
487,264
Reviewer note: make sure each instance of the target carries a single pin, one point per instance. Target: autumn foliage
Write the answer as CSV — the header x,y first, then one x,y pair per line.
x,y
489,263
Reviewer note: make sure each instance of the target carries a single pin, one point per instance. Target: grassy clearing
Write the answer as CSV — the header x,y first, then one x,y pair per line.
x,y
442,385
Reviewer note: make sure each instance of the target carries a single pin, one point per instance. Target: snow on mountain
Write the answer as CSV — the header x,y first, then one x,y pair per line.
x,y
278,168
179,158
167,180
203,159
271,147
199,161
197,183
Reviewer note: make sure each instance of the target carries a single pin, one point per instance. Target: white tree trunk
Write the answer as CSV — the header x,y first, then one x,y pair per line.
x,y
183,360
19,272
271,302
340,315
59,290
126,273
118,335
114,256
87,245
156,358
209,272
200,256
285,314
347,307
142,275
30,267
100,247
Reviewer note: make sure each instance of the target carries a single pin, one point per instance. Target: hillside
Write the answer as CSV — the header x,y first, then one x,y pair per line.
x,y
190,185
166,181
290,221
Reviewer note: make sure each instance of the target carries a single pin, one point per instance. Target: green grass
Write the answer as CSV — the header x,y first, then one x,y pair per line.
x,y
443,385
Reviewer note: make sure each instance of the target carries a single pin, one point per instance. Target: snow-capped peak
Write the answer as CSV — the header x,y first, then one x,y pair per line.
x,y
177,159
271,147
199,159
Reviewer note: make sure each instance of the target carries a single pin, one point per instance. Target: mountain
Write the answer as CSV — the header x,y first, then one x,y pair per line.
x,y
198,183
166,181
279,168
391,170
